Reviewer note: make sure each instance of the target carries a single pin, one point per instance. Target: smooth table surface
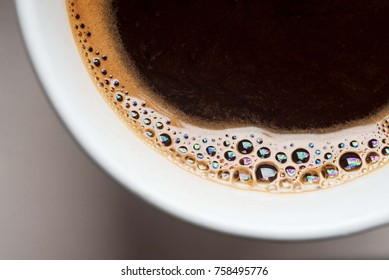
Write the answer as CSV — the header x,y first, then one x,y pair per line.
x,y
55,203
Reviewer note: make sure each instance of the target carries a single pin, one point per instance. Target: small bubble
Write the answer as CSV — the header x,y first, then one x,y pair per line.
x,y
147,121
373,143
165,139
226,143
178,140
318,152
372,158
266,173
385,151
311,145
211,150
259,140
134,115
245,147
149,133
310,178
317,161
202,166
264,152
196,146
328,156
215,165
205,140
186,136
242,176
230,156
354,144
300,156
183,150
200,156
341,145
350,161
116,83
119,97
159,125
96,62
286,184
104,71
330,171
245,161
290,171
281,157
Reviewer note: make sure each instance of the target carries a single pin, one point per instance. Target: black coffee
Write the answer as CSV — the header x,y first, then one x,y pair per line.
x,y
284,64
281,96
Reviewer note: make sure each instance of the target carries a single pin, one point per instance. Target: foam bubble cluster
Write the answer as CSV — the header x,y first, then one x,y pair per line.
x,y
248,158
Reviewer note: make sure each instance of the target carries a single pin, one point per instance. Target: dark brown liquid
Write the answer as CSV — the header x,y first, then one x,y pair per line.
x,y
284,64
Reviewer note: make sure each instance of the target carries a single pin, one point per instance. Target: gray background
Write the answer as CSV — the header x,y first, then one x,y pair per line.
x,y
55,203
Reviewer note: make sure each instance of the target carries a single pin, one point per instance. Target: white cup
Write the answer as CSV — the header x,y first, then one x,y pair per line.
x,y
352,207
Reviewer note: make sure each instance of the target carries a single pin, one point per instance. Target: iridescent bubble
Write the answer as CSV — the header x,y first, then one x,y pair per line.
x,y
215,165
242,176
328,156
372,158
190,160
264,152
96,62
281,157
224,175
300,156
149,133
165,139
318,152
311,145
119,97
373,143
385,151
147,121
286,184
159,125
226,143
310,178
290,171
196,146
203,166
341,145
134,115
183,149
245,147
350,162
200,156
245,161
211,150
354,144
230,155
266,173
329,171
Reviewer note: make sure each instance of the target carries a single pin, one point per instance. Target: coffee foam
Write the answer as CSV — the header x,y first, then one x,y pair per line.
x,y
245,157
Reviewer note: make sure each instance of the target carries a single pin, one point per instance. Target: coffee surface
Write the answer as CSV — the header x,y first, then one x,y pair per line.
x,y
280,64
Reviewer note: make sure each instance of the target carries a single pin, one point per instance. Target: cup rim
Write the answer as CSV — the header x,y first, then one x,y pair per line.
x,y
28,19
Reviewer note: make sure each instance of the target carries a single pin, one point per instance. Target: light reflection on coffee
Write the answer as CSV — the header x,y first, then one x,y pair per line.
x,y
233,90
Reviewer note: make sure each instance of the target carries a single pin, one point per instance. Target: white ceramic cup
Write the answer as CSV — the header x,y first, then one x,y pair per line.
x,y
352,207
